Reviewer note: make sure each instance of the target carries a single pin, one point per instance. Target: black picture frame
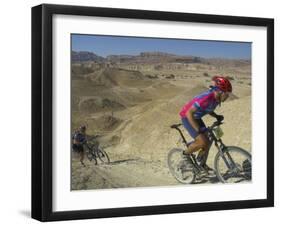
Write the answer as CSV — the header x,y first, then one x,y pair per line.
x,y
42,107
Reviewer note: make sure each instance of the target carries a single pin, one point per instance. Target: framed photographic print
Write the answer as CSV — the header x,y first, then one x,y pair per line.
x,y
145,112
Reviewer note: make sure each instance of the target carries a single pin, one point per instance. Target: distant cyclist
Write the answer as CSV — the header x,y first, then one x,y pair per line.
x,y
193,111
78,141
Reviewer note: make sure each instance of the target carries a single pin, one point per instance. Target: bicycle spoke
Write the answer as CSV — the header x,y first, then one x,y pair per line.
x,y
234,166
179,167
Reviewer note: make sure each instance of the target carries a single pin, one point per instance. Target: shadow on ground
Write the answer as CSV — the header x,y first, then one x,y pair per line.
x,y
25,213
122,161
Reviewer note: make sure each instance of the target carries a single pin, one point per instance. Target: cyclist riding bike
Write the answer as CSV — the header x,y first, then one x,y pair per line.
x,y
78,140
192,113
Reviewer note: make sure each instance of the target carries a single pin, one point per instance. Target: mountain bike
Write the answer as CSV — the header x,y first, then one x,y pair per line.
x,y
231,164
95,152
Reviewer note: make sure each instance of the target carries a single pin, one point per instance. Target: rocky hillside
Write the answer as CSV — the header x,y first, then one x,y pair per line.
x,y
131,109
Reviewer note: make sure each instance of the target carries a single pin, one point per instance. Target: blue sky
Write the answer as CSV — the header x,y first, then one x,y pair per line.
x,y
115,45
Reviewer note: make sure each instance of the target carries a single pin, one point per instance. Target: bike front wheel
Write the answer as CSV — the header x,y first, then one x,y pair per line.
x,y
233,165
103,156
179,168
92,158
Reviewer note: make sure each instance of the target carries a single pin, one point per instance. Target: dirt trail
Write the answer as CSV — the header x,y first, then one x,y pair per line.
x,y
124,174
120,174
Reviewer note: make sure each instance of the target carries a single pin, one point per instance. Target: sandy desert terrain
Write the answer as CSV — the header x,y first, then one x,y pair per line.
x,y
131,104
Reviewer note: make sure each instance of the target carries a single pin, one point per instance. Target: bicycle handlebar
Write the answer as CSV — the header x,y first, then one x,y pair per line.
x,y
215,124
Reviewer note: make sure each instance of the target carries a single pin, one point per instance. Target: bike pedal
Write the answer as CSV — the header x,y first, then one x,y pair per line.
x,y
201,174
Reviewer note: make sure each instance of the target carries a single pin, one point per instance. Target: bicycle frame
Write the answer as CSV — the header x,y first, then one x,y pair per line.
x,y
213,139
182,136
92,149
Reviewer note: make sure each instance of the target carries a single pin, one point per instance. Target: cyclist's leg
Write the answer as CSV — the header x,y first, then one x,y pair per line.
x,y
74,148
203,153
82,153
200,144
200,140
203,147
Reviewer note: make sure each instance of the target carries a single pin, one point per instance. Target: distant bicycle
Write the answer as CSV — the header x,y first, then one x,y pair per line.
x,y
231,164
94,152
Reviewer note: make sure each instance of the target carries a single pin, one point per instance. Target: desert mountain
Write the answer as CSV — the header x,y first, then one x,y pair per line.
x,y
154,58
85,56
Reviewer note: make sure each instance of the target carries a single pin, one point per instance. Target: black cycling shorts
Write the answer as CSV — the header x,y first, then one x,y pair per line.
x,y
77,147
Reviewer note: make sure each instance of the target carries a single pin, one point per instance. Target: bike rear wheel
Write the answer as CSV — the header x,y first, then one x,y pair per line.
x,y
103,156
179,167
234,165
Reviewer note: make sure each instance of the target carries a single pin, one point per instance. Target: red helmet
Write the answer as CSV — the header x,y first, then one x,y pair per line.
x,y
222,83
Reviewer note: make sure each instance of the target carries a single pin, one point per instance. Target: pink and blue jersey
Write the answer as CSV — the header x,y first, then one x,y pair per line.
x,y
203,103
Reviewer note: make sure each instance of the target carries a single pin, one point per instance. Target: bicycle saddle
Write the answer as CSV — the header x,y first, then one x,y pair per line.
x,y
176,126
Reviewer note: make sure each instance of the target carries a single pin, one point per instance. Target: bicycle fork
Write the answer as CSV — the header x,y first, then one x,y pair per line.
x,y
226,157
